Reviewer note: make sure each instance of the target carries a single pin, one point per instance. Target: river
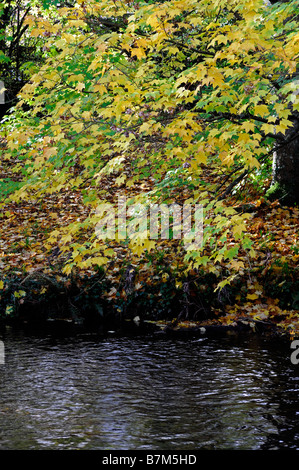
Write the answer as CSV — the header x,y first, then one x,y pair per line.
x,y
84,391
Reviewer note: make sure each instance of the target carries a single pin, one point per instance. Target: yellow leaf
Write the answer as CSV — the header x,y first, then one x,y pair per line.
x,y
261,110
67,269
86,114
99,260
149,244
268,128
100,88
200,156
80,86
139,53
237,265
153,21
75,78
252,296
244,138
78,127
20,293
248,126
120,180
146,126
1,284
238,230
283,126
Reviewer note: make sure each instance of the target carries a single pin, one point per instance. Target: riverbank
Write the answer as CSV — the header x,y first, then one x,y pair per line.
x,y
189,308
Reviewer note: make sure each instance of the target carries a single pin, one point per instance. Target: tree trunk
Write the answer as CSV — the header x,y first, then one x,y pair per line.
x,y
285,183
285,177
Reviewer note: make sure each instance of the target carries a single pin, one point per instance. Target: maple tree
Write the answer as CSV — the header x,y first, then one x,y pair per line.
x,y
147,100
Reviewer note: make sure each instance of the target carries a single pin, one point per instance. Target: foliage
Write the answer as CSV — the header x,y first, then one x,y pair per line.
x,y
147,100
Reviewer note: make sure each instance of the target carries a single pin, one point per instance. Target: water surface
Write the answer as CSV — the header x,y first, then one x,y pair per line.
x,y
86,392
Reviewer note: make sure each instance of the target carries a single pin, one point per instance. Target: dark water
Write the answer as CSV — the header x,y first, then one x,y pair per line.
x,y
84,392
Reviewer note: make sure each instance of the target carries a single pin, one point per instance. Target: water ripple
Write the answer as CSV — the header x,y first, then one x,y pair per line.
x,y
124,393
